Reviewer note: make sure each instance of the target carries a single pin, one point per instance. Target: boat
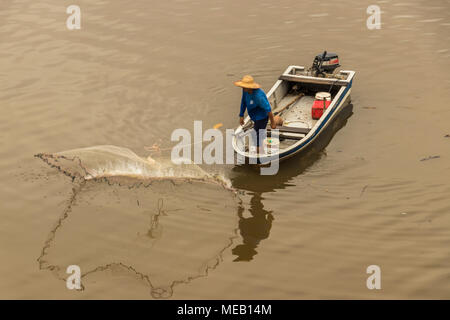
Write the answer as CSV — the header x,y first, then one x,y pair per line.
x,y
307,100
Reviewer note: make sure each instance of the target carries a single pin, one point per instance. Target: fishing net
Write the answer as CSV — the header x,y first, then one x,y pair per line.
x,y
126,218
112,161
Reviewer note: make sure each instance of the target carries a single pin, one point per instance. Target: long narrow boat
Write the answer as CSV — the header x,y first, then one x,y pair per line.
x,y
295,97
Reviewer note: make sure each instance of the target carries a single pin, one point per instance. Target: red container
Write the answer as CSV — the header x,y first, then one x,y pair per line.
x,y
318,108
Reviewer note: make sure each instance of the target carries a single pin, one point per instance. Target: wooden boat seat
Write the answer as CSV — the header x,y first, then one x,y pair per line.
x,y
292,129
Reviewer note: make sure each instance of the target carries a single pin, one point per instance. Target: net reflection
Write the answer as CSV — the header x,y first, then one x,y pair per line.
x,y
159,234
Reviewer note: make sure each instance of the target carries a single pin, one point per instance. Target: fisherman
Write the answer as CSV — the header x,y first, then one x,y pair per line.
x,y
258,107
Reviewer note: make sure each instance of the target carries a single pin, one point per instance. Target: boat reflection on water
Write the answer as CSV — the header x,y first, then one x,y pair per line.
x,y
257,226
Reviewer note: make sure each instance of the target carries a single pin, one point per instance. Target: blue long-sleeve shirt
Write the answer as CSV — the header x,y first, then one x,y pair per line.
x,y
256,103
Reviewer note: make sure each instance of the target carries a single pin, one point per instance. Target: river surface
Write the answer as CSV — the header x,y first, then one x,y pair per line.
x,y
377,194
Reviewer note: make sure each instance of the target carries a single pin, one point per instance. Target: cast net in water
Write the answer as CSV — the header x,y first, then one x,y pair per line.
x,y
124,232
111,161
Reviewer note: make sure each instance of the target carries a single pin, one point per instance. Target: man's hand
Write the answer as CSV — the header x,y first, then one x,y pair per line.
x,y
241,120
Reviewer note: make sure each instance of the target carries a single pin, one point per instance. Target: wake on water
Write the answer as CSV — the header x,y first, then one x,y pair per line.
x,y
111,161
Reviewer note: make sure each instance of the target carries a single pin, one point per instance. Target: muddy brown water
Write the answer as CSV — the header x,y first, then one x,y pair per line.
x,y
135,72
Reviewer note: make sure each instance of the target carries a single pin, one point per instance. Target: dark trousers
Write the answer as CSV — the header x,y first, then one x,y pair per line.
x,y
259,126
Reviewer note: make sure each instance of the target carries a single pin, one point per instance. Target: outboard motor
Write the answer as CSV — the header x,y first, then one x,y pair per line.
x,y
325,63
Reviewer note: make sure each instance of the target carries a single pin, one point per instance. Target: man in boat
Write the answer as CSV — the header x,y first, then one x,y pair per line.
x,y
258,107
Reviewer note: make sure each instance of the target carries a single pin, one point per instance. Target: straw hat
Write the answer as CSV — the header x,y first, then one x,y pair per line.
x,y
247,82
